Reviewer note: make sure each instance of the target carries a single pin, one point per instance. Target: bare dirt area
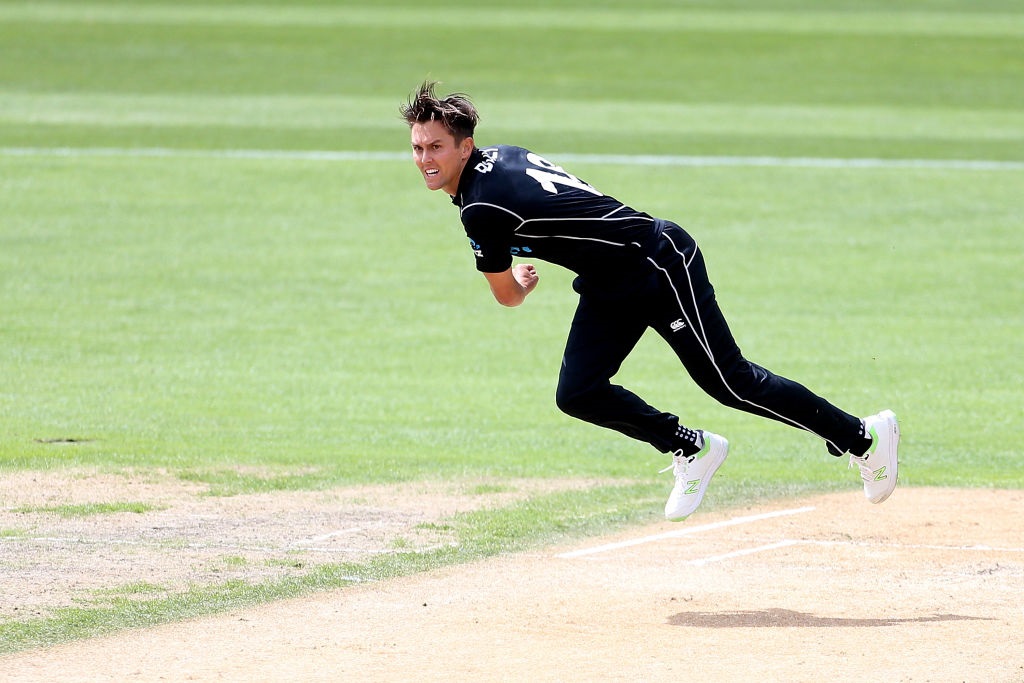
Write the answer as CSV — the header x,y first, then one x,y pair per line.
x,y
926,587
60,547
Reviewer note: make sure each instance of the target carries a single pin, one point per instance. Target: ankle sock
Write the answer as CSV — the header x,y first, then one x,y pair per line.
x,y
863,442
860,445
689,441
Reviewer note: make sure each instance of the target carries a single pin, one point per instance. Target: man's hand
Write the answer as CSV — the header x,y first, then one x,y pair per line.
x,y
526,275
511,286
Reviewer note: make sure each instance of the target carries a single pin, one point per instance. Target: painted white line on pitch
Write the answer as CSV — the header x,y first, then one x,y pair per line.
x,y
684,532
615,159
700,562
917,546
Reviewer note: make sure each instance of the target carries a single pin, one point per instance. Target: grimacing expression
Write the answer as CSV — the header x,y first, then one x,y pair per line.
x,y
437,155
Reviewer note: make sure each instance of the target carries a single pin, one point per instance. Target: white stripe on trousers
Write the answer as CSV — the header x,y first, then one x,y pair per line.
x,y
703,340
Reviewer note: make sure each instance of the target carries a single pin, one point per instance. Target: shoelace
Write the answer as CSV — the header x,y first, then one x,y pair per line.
x,y
677,458
866,473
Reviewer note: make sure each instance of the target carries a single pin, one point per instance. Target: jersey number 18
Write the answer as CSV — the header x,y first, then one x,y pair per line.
x,y
553,175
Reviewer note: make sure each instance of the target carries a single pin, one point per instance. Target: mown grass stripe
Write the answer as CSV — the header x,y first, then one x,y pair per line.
x,y
325,112
617,159
567,19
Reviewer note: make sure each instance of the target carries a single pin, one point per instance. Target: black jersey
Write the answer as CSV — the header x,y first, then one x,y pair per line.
x,y
515,203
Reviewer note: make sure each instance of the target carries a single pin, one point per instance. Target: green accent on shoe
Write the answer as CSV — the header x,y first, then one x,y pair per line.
x,y
692,486
880,474
873,432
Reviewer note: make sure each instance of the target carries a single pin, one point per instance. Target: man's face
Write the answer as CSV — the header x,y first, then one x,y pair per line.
x,y
437,156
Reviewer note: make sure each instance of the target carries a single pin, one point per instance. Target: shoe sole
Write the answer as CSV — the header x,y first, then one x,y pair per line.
x,y
893,436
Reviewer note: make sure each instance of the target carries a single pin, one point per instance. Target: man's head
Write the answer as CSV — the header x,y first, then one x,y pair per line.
x,y
455,112
442,135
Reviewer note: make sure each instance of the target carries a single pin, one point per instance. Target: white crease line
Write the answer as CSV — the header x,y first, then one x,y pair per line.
x,y
917,546
700,562
683,532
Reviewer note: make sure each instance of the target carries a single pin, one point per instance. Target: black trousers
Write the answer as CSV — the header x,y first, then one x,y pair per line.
x,y
671,293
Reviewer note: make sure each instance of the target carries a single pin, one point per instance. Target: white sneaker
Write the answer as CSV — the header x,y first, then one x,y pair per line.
x,y
878,465
693,474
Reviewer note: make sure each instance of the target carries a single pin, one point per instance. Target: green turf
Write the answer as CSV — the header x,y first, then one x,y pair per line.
x,y
204,313
321,319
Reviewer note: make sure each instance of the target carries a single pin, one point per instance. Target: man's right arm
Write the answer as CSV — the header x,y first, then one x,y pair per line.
x,y
510,287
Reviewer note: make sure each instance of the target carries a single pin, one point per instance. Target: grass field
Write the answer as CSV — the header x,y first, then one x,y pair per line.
x,y
216,260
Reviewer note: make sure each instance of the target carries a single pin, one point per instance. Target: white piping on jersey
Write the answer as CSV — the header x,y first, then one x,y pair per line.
x,y
702,338
571,237
621,207
575,237
524,221
493,206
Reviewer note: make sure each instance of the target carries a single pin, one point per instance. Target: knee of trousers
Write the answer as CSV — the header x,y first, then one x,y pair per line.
x,y
744,381
576,401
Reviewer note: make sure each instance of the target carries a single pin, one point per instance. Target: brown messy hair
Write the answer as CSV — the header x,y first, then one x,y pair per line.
x,y
455,111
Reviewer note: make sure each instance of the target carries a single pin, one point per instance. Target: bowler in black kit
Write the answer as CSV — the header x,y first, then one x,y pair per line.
x,y
634,272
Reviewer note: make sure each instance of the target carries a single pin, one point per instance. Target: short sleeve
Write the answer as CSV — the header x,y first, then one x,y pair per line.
x,y
490,233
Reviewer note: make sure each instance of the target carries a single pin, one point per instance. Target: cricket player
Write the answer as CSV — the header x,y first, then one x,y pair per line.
x,y
634,271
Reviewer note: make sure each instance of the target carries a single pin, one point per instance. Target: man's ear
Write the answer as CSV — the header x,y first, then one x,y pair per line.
x,y
466,148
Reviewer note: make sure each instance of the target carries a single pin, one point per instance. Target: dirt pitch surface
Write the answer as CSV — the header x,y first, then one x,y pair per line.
x,y
926,587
